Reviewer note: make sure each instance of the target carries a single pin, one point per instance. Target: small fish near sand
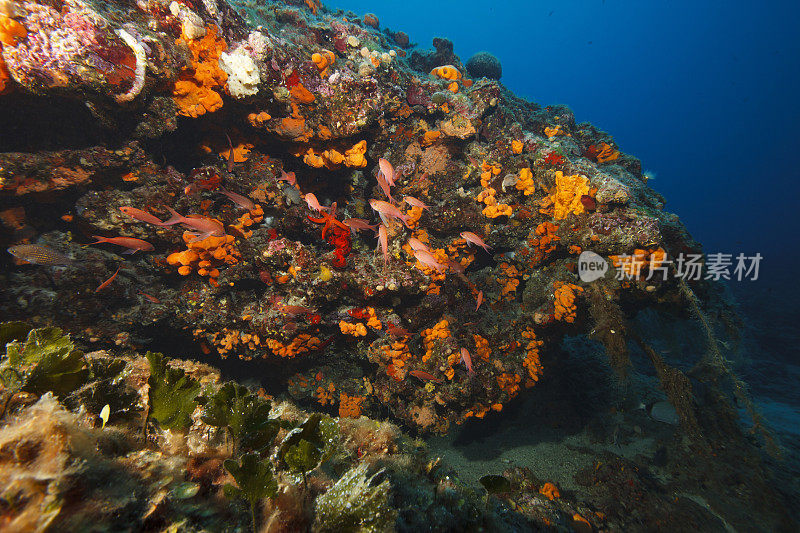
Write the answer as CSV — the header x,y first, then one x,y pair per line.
x,y
37,254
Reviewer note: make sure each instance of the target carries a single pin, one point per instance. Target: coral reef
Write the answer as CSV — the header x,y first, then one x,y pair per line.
x,y
286,133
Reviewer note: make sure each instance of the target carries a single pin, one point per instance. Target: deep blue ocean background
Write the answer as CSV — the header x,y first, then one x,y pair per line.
x,y
706,94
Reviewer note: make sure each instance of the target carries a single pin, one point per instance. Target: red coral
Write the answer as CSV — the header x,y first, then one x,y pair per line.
x,y
337,234
340,238
292,80
554,159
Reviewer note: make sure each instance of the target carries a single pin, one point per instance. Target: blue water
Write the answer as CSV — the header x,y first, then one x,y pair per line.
x,y
706,94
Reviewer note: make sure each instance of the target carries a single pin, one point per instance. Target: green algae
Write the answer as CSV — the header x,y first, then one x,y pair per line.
x,y
254,479
243,414
355,504
172,394
46,360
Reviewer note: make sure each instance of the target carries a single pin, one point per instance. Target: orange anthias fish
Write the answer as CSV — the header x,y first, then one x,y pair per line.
x,y
230,154
358,224
424,376
133,245
410,200
467,361
313,203
242,201
385,187
383,242
387,170
141,215
417,244
206,226
288,177
107,282
386,209
474,239
457,267
427,259
40,255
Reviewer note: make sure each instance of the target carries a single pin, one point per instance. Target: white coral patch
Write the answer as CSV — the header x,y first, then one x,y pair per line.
x,y
243,77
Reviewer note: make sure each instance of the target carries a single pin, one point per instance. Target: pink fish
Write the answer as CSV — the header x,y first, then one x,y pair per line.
x,y
383,242
230,154
107,282
313,203
242,201
417,244
456,266
132,245
385,187
387,170
206,226
294,310
467,361
425,376
410,200
288,177
427,259
396,331
480,300
358,224
474,239
150,297
141,215
386,209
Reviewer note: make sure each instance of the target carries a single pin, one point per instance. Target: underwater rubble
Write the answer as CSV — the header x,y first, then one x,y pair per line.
x,y
210,180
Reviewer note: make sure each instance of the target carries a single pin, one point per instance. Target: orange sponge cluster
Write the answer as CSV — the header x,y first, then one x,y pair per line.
x,y
550,491
640,260
350,406
228,339
430,137
253,216
602,152
531,361
509,383
356,330
448,73
332,159
205,256
299,345
323,60
552,131
11,32
432,336
482,349
487,195
194,91
325,396
509,281
565,294
566,197
541,243
398,353
525,182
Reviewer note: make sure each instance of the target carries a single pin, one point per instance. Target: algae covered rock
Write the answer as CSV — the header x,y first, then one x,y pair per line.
x,y
484,65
